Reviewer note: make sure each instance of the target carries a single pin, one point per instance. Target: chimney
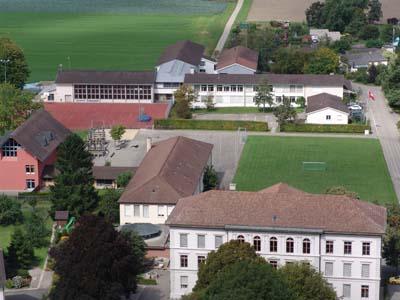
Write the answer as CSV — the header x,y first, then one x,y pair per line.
x,y
148,144
192,70
232,186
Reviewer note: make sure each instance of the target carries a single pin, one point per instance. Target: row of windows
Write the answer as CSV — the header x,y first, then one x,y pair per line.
x,y
29,169
10,148
201,259
347,269
239,88
136,211
348,247
98,92
201,240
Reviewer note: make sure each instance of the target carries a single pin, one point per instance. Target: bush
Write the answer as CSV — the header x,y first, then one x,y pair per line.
x,y
374,44
369,32
319,128
10,211
209,124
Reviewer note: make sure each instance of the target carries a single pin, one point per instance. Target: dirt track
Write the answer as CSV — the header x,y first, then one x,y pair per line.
x,y
294,10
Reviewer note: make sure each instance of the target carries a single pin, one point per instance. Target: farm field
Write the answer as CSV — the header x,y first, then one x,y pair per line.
x,y
281,10
81,35
358,164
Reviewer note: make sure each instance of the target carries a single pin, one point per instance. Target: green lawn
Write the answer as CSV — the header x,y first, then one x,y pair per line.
x,y
104,41
357,164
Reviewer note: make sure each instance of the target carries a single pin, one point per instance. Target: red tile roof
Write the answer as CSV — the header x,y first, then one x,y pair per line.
x,y
329,213
238,55
78,116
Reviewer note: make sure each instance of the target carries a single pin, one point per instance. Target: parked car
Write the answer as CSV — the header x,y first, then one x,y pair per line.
x,y
394,279
355,107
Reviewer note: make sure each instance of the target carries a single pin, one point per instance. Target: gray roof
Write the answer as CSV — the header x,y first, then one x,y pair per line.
x,y
61,215
325,100
105,77
2,269
275,79
40,135
363,59
186,51
173,71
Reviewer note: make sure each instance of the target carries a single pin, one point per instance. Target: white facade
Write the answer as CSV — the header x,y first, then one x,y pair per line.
x,y
351,264
327,116
236,69
207,66
239,95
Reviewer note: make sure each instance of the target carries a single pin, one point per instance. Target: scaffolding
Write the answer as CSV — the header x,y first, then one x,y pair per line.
x,y
97,141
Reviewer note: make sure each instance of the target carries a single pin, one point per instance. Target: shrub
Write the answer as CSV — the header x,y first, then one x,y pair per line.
x,y
369,32
319,128
209,124
374,43
123,179
10,211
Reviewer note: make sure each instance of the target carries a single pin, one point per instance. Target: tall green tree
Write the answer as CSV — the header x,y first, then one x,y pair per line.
x,y
264,94
109,206
210,179
10,210
138,248
15,66
36,231
73,189
322,61
375,11
314,14
306,283
391,240
15,107
96,262
184,96
19,253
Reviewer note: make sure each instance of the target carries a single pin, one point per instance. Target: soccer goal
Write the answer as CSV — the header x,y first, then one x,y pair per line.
x,y
314,166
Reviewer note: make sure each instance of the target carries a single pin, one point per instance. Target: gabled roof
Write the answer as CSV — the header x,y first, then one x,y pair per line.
x,y
40,135
325,100
279,211
170,170
186,51
2,269
281,187
238,55
105,77
363,58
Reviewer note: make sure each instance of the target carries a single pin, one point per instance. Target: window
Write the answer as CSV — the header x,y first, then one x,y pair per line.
x,y
10,148
306,246
257,243
226,88
160,210
233,88
289,245
29,169
240,88
346,290
50,97
30,184
328,268
218,241
364,291
128,210
183,240
273,244
145,211
136,210
347,247
219,88
346,269
201,241
328,117
278,99
240,238
274,263
292,88
184,282
204,88
329,247
365,270
366,248
211,88
184,261
201,259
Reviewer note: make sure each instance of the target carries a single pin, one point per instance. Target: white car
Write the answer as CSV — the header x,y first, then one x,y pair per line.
x,y
355,107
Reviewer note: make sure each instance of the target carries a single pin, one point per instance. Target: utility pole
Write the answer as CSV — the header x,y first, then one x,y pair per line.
x,y
5,62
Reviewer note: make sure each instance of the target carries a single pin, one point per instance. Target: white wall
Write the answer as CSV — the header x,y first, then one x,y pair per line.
x,y
316,258
320,117
207,66
64,93
158,214
235,69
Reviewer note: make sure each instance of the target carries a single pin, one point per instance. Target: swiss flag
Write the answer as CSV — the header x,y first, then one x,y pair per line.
x,y
371,96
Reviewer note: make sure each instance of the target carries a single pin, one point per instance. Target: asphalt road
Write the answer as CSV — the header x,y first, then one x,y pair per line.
x,y
383,123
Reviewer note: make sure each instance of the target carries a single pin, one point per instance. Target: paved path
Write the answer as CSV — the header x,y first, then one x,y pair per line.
x,y
228,27
383,123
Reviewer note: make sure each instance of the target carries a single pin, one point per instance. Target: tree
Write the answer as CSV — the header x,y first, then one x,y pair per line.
x,y
306,283
15,107
226,255
372,73
301,101
289,61
138,247
341,190
314,14
210,103
73,189
358,22
17,71
322,61
10,210
109,206
210,179
123,179
96,262
247,280
19,253
391,240
375,11
285,112
116,132
341,46
184,96
369,32
36,231
264,94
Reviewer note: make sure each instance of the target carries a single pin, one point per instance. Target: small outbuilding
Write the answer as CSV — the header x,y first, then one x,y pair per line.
x,y
326,109
61,217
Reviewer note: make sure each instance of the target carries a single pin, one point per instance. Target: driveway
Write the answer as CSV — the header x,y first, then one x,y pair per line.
x,y
383,123
160,291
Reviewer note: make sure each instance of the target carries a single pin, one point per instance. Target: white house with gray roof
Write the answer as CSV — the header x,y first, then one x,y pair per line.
x,y
364,58
326,109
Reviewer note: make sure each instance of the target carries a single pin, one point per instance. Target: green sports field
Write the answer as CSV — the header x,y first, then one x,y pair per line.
x,y
123,35
357,164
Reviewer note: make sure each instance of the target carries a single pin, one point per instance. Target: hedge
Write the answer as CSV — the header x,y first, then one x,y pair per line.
x,y
317,128
209,124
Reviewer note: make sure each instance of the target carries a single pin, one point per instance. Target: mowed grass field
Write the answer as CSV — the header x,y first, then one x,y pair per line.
x,y
358,164
112,41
